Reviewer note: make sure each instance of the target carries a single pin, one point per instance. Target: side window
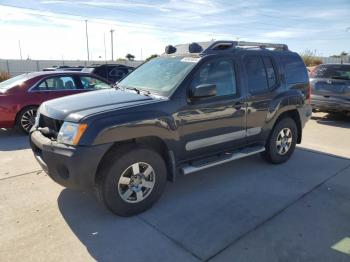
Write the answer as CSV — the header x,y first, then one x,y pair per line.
x,y
219,72
93,83
256,74
270,71
118,72
57,83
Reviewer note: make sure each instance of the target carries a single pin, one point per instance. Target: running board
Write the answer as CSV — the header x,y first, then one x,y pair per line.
x,y
227,157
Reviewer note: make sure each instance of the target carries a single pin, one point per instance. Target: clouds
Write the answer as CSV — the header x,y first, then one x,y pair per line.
x,y
151,25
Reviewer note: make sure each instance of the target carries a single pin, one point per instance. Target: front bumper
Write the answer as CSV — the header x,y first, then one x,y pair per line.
x,y
330,103
69,166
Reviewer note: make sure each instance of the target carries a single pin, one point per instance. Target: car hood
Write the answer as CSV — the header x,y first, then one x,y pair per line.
x,y
75,107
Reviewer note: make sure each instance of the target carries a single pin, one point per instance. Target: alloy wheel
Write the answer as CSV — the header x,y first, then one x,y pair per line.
x,y
136,182
284,141
28,119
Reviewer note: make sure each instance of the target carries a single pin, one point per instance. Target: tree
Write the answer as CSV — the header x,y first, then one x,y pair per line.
x,y
310,58
340,55
151,57
130,57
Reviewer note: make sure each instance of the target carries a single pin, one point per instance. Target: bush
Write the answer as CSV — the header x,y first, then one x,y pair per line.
x,y
151,57
310,58
4,76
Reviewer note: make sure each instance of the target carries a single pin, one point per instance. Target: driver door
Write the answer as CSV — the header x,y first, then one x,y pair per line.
x,y
217,123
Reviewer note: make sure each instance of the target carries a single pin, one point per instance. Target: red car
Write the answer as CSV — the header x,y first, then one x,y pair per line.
x,y
20,96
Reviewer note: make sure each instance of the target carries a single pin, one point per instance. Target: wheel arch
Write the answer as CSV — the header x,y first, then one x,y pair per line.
x,y
293,114
153,142
22,109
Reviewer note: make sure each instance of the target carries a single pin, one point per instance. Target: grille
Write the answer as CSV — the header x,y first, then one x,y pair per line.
x,y
51,123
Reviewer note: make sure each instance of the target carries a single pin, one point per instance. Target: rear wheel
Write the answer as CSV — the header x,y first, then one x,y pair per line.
x,y
133,179
26,118
282,141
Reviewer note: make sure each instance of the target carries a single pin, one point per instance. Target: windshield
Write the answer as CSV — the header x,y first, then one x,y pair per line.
x,y
332,71
17,80
160,75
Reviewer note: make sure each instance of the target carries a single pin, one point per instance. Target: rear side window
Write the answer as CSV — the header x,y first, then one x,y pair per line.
x,y
256,73
332,71
295,70
270,71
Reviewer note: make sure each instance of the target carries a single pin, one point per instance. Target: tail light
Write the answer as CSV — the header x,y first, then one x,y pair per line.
x,y
308,94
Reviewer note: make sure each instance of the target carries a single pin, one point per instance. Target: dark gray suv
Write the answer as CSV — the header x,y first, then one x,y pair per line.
x,y
196,106
331,88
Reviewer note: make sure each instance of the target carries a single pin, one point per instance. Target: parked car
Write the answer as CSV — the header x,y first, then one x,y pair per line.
x,y
20,96
63,68
196,106
111,72
331,88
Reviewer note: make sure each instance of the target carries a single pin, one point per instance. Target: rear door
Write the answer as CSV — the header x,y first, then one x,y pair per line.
x,y
261,80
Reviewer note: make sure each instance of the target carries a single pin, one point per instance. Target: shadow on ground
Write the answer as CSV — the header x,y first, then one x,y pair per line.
x,y
334,119
205,213
13,139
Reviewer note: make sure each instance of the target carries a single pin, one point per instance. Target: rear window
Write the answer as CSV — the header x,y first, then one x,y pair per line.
x,y
295,70
332,71
14,81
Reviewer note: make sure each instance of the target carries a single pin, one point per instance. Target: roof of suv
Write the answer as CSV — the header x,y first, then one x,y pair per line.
x,y
216,47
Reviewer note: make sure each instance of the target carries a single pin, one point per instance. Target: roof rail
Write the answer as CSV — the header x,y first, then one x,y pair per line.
x,y
282,47
225,45
213,46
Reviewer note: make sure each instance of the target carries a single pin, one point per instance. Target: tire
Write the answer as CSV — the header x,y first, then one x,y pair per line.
x,y
281,144
26,118
117,181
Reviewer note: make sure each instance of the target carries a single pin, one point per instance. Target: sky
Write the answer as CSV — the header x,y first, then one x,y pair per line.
x,y
55,29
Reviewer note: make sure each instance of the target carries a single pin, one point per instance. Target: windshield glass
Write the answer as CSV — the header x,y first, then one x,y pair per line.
x,y
17,80
332,71
160,75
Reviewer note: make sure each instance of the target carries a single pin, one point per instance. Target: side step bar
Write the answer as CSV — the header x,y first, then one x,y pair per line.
x,y
199,165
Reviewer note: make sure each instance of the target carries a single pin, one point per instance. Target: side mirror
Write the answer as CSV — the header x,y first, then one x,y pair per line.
x,y
203,91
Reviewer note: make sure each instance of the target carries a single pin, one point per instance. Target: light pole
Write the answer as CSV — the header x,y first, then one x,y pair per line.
x,y
20,48
87,41
112,31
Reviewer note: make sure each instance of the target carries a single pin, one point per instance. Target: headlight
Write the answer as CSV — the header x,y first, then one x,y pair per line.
x,y
70,133
37,117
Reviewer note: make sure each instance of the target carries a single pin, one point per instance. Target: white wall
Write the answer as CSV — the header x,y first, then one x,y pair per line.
x,y
16,67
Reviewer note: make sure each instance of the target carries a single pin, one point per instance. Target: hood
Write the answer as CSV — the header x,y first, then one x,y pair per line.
x,y
74,107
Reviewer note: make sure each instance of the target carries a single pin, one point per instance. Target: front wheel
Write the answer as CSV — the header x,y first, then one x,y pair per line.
x,y
133,179
282,141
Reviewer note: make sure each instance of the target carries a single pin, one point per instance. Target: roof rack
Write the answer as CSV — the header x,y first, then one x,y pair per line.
x,y
214,46
225,45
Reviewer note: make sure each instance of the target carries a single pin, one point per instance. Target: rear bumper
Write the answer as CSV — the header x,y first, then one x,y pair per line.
x,y
7,117
329,103
71,167
305,113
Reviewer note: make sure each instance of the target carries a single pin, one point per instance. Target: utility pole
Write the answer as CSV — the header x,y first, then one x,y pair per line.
x,y
20,48
112,31
104,44
87,41
141,54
